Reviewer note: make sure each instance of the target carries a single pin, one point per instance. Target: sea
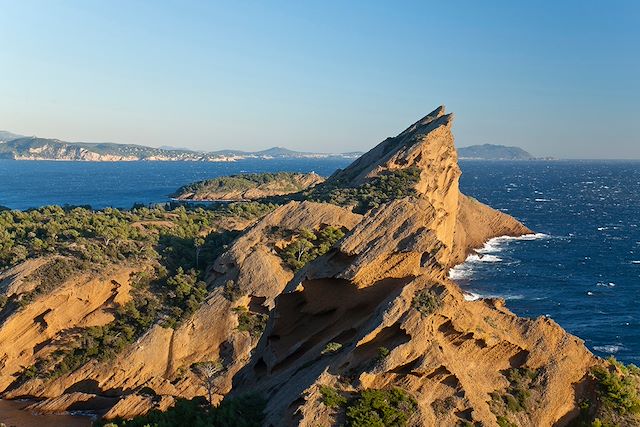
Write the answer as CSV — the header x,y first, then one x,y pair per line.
x,y
581,268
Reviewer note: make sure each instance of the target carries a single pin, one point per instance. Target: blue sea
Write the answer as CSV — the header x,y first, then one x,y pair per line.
x,y
582,269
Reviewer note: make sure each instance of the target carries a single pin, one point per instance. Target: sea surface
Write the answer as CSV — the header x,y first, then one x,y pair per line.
x,y
582,269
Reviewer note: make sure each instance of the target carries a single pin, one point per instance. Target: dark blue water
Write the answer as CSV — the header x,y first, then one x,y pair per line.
x,y
584,273
27,184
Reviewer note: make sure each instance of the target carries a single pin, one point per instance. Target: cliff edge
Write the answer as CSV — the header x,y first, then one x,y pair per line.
x,y
335,308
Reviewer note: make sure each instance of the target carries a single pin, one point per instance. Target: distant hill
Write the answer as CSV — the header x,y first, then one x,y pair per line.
x,y
18,147
494,152
8,136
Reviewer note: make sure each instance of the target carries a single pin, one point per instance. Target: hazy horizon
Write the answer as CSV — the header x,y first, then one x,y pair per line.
x,y
554,79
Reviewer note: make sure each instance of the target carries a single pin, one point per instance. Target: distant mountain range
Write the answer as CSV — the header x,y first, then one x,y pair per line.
x,y
494,152
19,147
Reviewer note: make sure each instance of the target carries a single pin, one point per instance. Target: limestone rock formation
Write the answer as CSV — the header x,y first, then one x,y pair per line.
x,y
376,311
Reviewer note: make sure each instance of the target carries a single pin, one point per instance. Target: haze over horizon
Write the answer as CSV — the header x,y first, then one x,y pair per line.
x,y
555,79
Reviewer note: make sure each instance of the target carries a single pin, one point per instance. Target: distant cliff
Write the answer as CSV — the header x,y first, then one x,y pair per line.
x,y
33,148
494,152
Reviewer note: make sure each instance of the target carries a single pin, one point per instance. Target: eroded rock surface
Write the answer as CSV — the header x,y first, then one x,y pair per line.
x,y
383,286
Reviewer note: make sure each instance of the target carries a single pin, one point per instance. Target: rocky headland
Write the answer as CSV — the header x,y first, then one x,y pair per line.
x,y
245,187
333,306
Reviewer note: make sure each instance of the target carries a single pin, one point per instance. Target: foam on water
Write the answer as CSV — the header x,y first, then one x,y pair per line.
x,y
609,348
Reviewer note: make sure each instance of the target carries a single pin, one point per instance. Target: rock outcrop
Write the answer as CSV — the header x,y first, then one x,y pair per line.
x,y
383,286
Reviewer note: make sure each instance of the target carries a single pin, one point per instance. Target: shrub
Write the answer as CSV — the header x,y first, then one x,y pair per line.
x,y
381,408
617,387
331,347
231,291
309,245
242,411
426,302
251,322
388,186
383,352
331,397
504,422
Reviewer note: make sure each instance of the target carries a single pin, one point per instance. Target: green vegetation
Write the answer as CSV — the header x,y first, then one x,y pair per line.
x,y
244,411
426,302
520,383
517,397
332,397
251,322
618,387
381,408
285,181
330,348
444,406
175,246
308,245
383,352
504,422
375,192
617,401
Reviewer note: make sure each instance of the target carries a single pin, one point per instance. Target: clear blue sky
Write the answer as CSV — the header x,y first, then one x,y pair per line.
x,y
557,78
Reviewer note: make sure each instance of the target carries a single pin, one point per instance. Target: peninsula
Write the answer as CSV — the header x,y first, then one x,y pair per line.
x,y
328,306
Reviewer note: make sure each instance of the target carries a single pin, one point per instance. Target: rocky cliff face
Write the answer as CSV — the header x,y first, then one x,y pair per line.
x,y
374,312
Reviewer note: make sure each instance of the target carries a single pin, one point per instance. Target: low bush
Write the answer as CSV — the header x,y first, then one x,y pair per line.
x,y
243,411
618,387
309,245
330,348
248,321
332,397
381,408
426,302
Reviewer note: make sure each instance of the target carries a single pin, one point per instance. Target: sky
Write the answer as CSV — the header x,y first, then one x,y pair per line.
x,y
557,78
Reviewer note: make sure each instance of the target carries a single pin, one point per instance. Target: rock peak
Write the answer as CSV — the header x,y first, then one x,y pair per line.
x,y
426,141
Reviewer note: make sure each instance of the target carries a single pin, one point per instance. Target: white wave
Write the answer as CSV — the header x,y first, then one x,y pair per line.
x,y
635,262
543,200
482,258
474,296
471,296
606,285
494,244
460,272
610,348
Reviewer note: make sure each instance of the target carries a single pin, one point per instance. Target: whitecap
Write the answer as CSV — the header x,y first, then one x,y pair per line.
x,y
543,200
460,272
471,296
609,348
589,293
635,262
482,258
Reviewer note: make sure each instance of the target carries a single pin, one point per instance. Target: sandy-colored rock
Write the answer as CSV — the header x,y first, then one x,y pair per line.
x,y
361,294
35,330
